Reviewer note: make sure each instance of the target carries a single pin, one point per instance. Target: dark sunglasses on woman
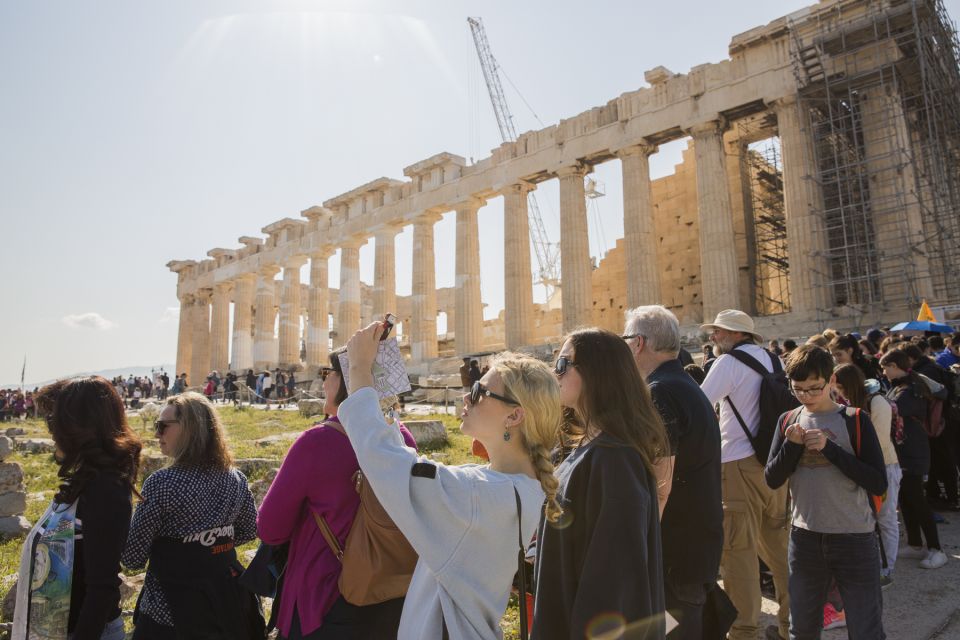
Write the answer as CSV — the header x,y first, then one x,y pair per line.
x,y
563,363
478,391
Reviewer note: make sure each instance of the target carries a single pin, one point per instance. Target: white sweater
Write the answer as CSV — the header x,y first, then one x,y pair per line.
x,y
462,523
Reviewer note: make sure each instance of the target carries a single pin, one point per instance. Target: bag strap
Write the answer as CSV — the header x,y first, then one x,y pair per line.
x,y
521,569
747,359
743,424
328,535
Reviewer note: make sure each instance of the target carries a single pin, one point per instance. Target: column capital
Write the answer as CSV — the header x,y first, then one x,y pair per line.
x,y
710,127
387,232
354,242
576,169
223,287
472,203
294,262
202,296
268,270
521,187
322,253
643,148
427,218
245,277
786,101
186,299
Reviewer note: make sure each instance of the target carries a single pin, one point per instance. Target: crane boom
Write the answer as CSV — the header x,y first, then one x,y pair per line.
x,y
547,257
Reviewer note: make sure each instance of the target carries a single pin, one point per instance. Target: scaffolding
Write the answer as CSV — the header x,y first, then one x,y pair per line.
x,y
879,93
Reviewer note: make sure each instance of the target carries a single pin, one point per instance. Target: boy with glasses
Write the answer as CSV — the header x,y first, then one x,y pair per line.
x,y
833,460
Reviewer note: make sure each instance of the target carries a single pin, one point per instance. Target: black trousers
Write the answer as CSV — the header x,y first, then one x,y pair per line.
x,y
917,514
685,603
346,621
943,465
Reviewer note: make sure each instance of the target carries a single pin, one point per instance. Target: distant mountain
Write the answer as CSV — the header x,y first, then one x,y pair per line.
x,y
106,373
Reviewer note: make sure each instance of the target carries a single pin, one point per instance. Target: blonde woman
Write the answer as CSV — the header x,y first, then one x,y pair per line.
x,y
194,512
461,520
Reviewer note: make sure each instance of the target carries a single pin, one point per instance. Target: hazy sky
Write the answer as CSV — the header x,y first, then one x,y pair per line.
x,y
136,133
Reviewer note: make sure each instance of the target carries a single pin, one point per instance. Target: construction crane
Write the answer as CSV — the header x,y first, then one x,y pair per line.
x,y
548,254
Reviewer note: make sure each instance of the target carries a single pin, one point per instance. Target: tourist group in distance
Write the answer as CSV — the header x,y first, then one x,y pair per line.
x,y
625,492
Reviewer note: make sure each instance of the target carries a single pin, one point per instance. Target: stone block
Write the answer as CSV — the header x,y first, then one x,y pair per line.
x,y
150,462
36,445
9,601
266,441
6,447
130,585
310,407
427,433
249,466
13,503
11,477
15,431
14,526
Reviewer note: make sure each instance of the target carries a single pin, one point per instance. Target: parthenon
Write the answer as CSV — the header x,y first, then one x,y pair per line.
x,y
853,219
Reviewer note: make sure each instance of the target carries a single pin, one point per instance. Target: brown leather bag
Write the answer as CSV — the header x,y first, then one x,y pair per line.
x,y
377,561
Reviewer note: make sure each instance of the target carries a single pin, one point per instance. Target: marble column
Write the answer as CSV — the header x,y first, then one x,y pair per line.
x,y
318,333
517,273
904,268
467,321
803,208
718,250
200,335
265,316
348,309
243,292
575,266
385,272
639,232
184,335
290,314
423,329
220,328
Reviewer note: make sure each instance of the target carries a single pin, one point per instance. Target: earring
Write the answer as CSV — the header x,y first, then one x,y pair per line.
x,y
506,434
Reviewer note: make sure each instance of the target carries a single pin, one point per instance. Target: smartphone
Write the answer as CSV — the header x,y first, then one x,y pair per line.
x,y
388,321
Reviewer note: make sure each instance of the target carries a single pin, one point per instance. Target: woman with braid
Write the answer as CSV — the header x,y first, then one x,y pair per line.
x,y
599,571
465,521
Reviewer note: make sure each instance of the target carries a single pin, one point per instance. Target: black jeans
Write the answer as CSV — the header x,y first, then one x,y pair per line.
x,y
852,559
685,603
346,621
917,514
943,465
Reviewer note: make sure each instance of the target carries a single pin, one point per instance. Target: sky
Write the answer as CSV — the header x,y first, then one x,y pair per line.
x,y
132,134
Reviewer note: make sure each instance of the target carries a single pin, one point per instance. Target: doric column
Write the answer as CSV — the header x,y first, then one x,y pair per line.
x,y
220,328
318,333
718,251
639,233
265,316
200,335
385,272
184,334
348,310
243,292
423,332
290,313
575,267
517,274
803,206
468,315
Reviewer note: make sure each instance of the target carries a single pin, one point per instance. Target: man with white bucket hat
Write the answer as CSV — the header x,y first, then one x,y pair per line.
x,y
754,516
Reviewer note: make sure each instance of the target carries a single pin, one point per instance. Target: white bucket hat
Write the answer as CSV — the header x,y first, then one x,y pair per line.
x,y
734,320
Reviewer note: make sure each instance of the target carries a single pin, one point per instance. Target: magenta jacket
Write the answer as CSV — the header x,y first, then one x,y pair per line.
x,y
316,474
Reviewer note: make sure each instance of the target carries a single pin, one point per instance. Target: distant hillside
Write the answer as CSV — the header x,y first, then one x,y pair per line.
x,y
106,373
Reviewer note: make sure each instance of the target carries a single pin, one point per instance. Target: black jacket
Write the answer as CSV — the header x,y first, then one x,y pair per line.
x,y
692,523
914,453
606,557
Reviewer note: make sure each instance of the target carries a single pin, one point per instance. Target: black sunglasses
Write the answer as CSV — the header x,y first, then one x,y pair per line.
x,y
563,363
478,391
161,425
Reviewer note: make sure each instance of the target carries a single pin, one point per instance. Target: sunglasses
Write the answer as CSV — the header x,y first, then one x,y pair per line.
x,y
478,391
563,363
161,425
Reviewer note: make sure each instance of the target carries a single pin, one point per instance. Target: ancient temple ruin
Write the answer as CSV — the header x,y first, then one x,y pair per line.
x,y
822,188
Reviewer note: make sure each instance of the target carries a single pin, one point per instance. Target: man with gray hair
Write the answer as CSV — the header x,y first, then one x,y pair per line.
x,y
689,479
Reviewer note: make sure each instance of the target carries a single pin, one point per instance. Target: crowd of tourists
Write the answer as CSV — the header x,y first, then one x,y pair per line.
x,y
16,404
618,485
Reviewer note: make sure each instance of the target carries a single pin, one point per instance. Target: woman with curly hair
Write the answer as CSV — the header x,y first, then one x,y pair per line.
x,y
193,514
465,522
599,570
72,557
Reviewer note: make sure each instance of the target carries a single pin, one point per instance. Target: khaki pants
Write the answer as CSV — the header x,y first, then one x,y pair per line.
x,y
754,523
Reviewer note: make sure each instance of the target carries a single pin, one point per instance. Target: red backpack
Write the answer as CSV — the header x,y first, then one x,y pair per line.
x,y
896,420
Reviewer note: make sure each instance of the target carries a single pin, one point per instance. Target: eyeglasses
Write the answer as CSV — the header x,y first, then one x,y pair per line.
x,y
563,363
478,391
161,425
631,336
812,392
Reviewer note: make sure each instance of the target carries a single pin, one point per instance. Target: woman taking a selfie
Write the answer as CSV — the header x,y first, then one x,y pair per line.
x,y
86,526
462,520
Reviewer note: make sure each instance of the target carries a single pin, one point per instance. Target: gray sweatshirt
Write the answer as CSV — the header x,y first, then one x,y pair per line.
x,y
462,522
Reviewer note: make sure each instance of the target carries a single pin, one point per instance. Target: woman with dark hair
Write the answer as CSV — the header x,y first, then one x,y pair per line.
x,y
846,350
912,395
599,568
71,558
193,514
316,478
865,395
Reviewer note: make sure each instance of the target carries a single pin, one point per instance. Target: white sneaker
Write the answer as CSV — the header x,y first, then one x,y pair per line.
x,y
913,553
934,560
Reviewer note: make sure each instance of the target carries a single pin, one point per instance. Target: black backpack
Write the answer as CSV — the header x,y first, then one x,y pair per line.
x,y
775,400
